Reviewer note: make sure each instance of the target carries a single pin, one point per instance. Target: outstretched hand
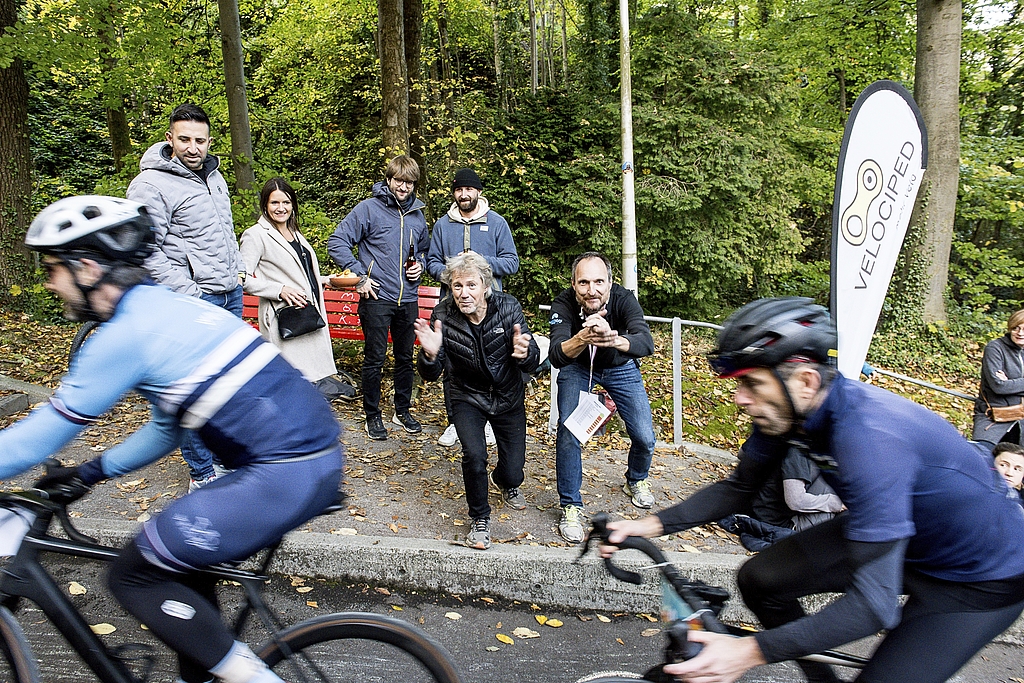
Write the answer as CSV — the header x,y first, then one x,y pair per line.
x,y
430,338
520,342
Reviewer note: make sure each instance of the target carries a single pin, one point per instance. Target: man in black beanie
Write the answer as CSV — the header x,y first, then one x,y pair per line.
x,y
470,225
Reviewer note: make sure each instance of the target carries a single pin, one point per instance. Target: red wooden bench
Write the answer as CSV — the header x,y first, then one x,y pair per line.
x,y
343,310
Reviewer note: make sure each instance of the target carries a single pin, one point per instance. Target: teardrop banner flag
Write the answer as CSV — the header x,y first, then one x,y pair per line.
x,y
884,154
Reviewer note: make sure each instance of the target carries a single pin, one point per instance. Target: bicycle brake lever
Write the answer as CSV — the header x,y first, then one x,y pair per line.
x,y
598,529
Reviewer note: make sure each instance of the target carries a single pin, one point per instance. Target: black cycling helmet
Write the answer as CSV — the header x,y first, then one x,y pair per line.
x,y
767,332
107,229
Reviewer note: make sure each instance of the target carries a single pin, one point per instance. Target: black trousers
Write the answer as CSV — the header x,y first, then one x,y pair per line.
x,y
509,432
943,625
377,318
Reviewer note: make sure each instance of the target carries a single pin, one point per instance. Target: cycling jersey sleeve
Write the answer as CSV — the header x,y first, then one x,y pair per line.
x,y
759,457
869,605
106,368
157,438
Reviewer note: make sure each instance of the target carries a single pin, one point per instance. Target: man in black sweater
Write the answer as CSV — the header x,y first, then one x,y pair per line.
x,y
598,335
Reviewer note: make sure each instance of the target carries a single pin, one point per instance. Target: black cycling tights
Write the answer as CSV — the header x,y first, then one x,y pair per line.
x,y
942,626
180,609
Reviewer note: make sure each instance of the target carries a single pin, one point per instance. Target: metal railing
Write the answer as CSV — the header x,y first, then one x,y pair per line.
x,y
677,376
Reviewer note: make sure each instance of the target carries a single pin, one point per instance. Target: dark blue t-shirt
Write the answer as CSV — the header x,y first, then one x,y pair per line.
x,y
904,472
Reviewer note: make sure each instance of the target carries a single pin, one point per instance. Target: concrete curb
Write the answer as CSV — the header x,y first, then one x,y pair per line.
x,y
530,574
35,393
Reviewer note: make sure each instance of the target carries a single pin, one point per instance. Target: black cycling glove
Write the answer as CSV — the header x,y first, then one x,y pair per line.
x,y
67,484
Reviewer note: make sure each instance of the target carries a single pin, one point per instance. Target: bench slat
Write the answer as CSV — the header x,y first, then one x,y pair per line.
x,y
343,310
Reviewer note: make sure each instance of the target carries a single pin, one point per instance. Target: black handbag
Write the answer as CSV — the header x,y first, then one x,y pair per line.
x,y
295,321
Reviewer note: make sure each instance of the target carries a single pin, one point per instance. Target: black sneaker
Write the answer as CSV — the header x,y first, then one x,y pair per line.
x,y
407,422
375,428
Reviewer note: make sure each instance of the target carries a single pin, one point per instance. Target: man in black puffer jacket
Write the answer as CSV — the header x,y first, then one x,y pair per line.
x,y
480,337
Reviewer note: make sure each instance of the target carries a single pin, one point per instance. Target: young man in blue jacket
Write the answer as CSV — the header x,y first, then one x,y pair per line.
x,y
390,233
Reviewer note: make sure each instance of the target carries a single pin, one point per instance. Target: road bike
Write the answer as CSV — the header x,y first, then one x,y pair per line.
x,y
330,648
689,605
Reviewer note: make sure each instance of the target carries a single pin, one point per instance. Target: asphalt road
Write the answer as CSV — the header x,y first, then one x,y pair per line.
x,y
586,642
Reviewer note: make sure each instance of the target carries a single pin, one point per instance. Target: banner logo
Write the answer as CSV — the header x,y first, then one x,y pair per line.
x,y
854,222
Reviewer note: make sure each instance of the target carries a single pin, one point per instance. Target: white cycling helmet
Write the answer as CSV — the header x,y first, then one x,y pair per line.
x,y
113,229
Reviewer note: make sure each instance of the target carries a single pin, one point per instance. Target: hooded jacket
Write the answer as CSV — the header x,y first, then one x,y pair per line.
x,y
383,231
488,234
1001,355
196,249
481,373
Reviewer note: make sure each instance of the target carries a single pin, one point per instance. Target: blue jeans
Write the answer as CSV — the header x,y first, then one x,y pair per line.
x,y
197,456
626,388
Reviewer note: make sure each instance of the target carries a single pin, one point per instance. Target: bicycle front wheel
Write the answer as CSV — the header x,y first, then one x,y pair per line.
x,y
356,646
17,665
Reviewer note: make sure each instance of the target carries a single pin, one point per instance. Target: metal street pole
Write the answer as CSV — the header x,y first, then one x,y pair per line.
x,y
629,272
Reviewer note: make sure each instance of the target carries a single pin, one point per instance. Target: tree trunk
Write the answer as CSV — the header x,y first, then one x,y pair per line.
x,y
565,52
117,120
841,96
447,79
496,27
234,84
120,138
394,83
937,91
15,172
412,13
533,47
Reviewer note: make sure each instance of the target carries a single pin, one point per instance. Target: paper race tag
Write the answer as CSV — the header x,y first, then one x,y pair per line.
x,y
588,417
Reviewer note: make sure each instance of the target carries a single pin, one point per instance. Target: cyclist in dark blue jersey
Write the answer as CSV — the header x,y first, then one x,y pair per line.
x,y
928,515
203,369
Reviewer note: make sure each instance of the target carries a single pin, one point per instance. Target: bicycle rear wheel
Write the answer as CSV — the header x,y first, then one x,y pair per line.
x,y
17,664
356,646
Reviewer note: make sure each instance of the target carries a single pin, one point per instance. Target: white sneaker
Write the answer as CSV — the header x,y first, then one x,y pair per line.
x,y
489,434
449,438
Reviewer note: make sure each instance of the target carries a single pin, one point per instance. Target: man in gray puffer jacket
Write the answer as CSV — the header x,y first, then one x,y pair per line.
x,y
196,249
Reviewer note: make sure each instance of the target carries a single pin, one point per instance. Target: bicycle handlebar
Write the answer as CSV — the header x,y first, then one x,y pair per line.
x,y
695,594
53,500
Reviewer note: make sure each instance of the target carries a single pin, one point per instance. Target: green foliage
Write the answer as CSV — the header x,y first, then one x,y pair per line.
x,y
712,195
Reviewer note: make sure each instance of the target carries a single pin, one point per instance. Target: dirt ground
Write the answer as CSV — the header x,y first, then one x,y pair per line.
x,y
408,486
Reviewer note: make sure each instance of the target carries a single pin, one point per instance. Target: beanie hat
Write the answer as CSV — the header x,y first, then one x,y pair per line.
x,y
467,177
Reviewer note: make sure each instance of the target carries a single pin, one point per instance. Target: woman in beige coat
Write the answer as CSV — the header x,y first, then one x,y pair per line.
x,y
273,251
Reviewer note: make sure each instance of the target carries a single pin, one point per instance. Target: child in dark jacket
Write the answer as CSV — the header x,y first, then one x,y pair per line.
x,y
1009,460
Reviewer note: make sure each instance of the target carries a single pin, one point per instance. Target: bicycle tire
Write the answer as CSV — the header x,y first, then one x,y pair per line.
x,y
18,664
83,333
333,647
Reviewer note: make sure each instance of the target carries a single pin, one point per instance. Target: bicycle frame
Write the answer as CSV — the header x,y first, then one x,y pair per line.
x,y
26,577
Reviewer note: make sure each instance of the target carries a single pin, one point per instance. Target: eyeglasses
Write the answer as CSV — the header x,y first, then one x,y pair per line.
x,y
403,183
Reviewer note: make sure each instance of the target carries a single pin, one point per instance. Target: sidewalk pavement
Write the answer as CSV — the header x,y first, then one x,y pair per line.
x,y
397,504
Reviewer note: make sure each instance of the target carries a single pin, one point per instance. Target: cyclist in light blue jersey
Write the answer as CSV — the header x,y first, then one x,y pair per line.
x,y
202,369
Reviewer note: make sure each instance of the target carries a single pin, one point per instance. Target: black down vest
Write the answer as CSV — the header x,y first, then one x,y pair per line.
x,y
488,377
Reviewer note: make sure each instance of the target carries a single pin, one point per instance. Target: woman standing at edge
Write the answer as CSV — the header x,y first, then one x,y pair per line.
x,y
1002,384
283,271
